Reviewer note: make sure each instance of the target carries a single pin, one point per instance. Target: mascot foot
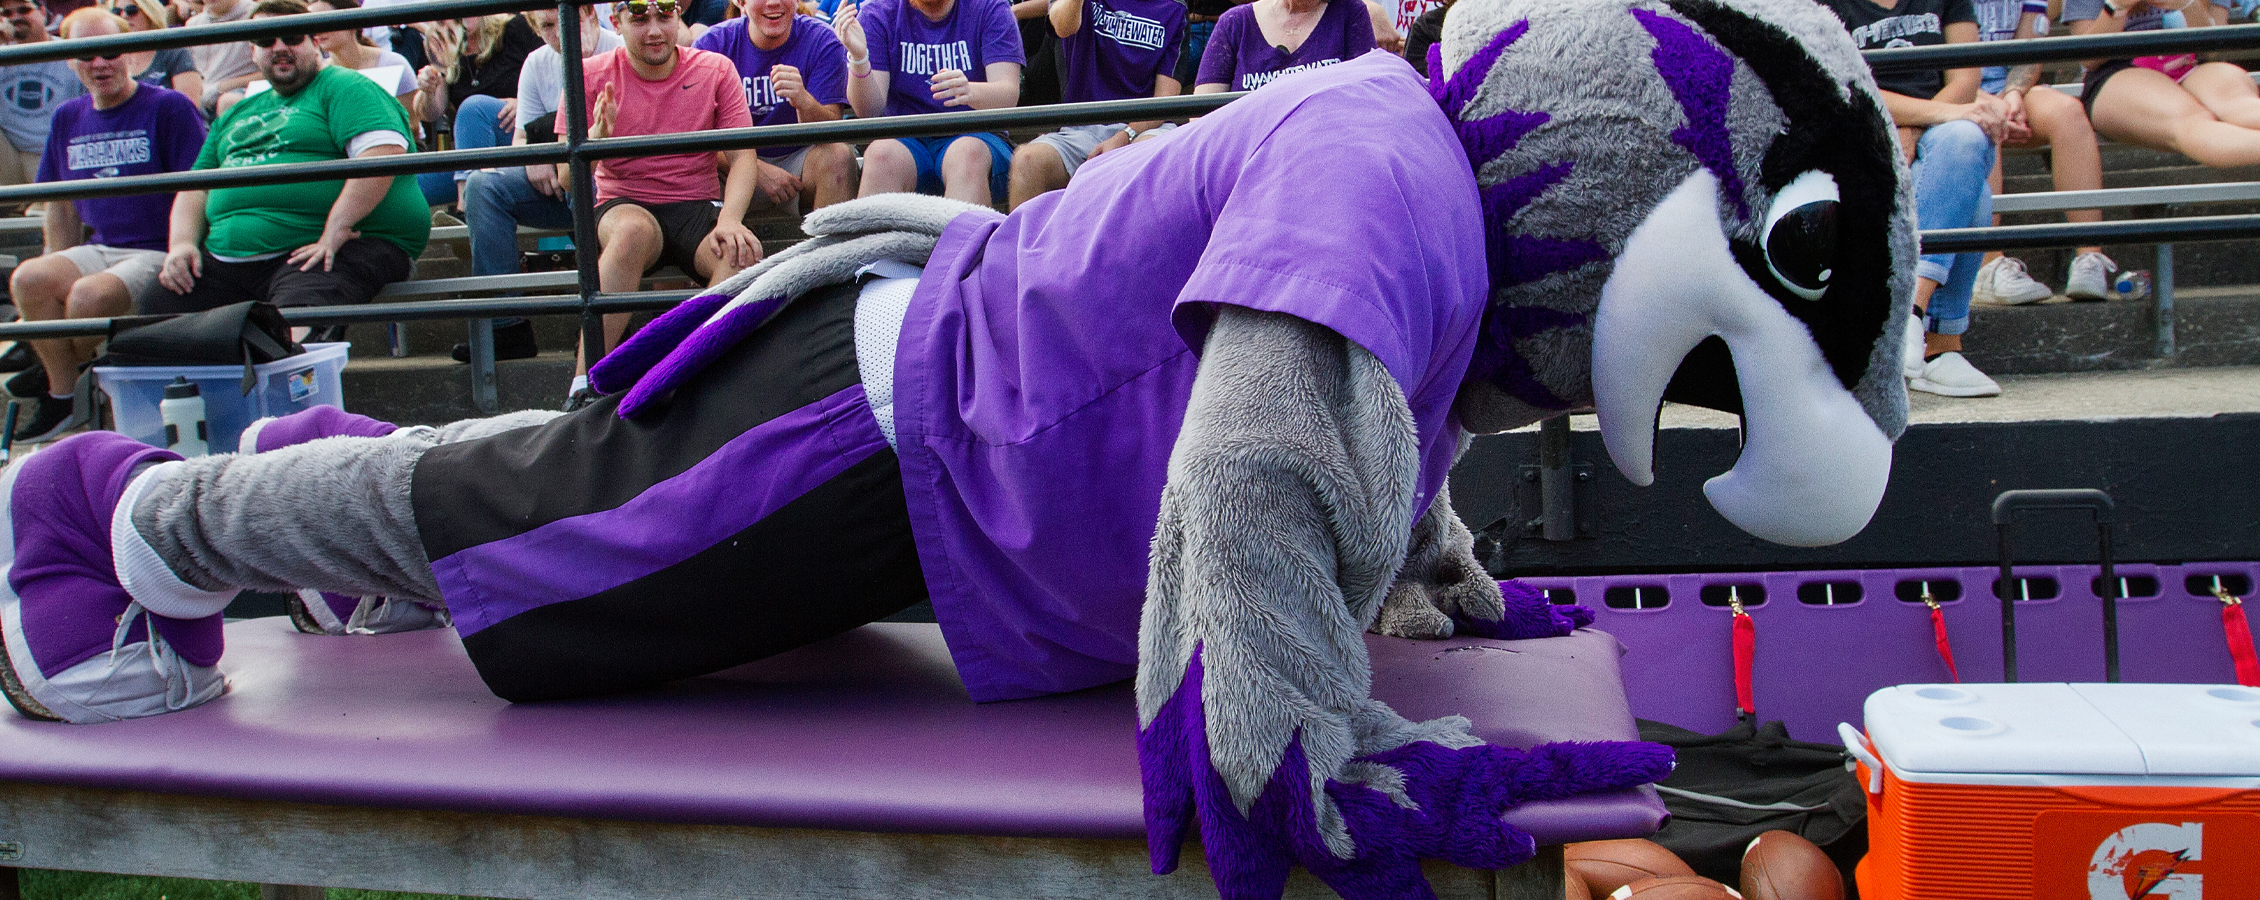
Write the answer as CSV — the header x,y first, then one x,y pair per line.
x,y
316,612
78,646
322,612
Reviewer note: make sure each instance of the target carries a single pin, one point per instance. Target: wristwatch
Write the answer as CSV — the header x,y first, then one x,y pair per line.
x,y
1132,132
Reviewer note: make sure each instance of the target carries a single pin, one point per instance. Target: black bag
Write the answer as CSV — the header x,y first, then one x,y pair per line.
x,y
250,333
1731,787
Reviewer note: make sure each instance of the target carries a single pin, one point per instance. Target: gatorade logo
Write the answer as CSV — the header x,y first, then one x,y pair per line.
x,y
2182,843
2147,862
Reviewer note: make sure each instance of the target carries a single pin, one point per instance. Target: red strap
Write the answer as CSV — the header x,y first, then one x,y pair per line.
x,y
2240,644
1745,648
1945,647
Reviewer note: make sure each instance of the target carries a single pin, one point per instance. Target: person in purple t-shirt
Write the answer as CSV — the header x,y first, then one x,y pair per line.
x,y
794,70
907,57
121,127
1108,50
1258,42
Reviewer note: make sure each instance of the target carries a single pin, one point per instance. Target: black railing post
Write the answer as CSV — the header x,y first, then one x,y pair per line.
x,y
576,110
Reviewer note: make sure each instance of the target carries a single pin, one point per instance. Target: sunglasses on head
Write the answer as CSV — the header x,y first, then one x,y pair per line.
x,y
108,58
127,12
287,40
646,7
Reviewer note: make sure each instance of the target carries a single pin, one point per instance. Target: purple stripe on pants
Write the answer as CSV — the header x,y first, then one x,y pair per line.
x,y
755,474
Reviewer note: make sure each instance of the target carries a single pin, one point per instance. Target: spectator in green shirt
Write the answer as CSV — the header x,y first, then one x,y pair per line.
x,y
304,244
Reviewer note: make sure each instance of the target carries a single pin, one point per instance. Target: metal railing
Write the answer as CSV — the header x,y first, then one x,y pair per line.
x,y
577,151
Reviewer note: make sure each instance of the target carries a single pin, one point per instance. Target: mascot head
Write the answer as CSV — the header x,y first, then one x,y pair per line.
x,y
1698,201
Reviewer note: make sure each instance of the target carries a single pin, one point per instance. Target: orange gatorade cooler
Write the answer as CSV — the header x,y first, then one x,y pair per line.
x,y
2061,791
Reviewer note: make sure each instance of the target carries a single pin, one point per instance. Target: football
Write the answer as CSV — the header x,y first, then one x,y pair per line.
x,y
1782,866
1675,887
1605,866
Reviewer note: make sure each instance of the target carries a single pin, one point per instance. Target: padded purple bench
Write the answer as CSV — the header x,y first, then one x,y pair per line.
x,y
852,768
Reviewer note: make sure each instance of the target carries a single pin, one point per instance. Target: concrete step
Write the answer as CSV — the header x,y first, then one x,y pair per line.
x,y
430,390
437,336
2212,327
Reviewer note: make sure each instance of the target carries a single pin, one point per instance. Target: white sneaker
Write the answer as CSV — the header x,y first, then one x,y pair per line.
x,y
2090,277
2004,281
1911,350
1950,375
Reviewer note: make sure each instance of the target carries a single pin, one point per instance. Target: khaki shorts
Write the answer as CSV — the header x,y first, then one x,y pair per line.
x,y
137,268
1075,142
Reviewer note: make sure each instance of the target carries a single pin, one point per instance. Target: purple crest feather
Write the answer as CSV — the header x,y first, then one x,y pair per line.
x,y
1455,92
620,368
702,347
1499,364
1700,76
1531,258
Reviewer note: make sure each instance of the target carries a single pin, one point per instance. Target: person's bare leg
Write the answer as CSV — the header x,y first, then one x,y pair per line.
x,y
41,289
2226,90
629,240
965,171
827,175
96,296
709,265
2140,106
1037,168
888,169
2059,121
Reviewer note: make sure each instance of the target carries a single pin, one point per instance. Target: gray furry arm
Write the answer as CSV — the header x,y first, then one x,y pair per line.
x,y
1284,522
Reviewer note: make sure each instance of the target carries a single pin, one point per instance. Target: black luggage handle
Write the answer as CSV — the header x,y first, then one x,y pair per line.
x,y
2005,507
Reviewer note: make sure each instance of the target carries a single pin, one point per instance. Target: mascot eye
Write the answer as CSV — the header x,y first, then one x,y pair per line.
x,y
1800,235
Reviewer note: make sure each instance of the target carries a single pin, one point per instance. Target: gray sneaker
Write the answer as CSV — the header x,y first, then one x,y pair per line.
x,y
2090,278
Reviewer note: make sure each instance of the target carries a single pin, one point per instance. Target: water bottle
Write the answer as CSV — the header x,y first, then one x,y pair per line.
x,y
183,413
2132,284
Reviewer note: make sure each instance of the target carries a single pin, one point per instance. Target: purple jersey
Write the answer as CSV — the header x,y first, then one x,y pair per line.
x,y
1239,57
811,47
155,130
910,48
1048,356
1122,45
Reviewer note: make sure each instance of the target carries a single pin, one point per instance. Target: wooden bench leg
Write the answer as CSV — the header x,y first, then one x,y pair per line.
x,y
290,892
1538,879
9,889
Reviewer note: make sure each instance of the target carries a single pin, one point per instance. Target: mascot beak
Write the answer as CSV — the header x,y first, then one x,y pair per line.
x,y
1814,462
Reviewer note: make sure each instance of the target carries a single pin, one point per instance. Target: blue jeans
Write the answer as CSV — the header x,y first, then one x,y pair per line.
x,y
474,127
1951,165
495,203
1196,43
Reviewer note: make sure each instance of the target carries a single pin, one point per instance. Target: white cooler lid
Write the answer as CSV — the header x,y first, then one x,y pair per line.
x,y
2185,729
2068,729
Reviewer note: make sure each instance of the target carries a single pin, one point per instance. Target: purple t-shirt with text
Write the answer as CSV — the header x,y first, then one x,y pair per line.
x,y
1239,58
1048,356
1122,45
811,47
155,130
911,48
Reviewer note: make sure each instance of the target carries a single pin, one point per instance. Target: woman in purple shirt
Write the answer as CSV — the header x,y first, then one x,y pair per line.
x,y
1257,42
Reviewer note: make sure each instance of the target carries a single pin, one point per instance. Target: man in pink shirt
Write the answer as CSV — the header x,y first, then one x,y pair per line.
x,y
663,210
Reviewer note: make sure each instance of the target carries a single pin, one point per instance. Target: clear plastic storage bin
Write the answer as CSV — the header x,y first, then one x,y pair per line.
x,y
313,378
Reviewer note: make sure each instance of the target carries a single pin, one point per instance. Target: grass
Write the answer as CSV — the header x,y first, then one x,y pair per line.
x,y
40,884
